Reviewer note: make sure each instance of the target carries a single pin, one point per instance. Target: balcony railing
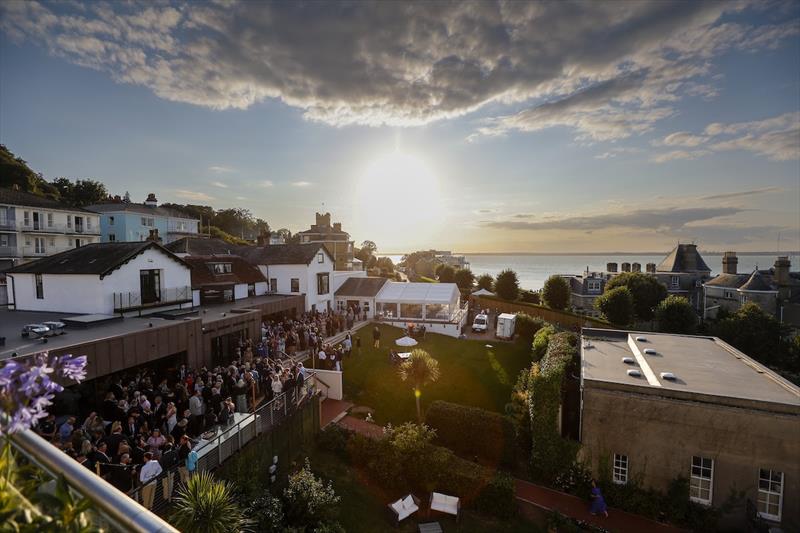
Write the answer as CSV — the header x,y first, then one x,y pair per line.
x,y
32,251
78,229
9,251
131,301
8,225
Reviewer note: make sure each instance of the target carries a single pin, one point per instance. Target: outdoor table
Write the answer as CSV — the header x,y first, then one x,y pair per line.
x,y
404,355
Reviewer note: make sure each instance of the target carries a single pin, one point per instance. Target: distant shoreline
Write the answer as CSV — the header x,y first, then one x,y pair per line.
x,y
707,252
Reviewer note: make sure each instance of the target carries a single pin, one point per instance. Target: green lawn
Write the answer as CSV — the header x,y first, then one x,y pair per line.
x,y
471,374
363,507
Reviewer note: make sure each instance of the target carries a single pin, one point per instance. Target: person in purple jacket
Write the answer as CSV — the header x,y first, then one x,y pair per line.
x,y
598,502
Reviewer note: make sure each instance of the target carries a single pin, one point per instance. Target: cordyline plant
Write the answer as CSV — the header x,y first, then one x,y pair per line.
x,y
27,388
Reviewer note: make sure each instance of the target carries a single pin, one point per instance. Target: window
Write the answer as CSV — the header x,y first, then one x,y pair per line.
x,y
593,285
49,220
273,284
26,218
251,289
37,279
148,221
770,494
38,245
411,310
3,240
111,221
674,282
112,237
323,282
728,294
78,243
52,242
221,268
295,285
620,469
320,257
365,306
150,286
88,223
69,221
701,482
341,306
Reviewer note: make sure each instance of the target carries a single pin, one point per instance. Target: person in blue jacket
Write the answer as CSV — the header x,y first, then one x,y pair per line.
x,y
598,502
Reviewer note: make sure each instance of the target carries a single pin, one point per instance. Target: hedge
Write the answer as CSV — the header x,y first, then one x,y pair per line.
x,y
527,326
471,431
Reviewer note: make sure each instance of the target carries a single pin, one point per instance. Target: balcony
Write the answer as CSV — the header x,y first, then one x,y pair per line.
x,y
8,225
135,301
9,251
60,229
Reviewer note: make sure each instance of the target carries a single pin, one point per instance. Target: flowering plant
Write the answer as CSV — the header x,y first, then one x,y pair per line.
x,y
27,388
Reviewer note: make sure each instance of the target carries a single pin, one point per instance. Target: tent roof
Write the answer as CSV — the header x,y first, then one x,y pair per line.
x,y
483,292
417,292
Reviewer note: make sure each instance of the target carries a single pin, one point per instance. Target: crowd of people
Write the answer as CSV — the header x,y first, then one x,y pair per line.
x,y
149,423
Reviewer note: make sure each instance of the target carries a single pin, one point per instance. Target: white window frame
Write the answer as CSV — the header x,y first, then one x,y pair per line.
x,y
273,284
620,469
674,282
26,218
593,285
38,286
88,222
320,257
69,221
49,220
39,245
697,477
769,493
292,283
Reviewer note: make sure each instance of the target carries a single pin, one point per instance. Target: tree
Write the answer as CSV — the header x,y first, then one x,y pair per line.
x,y
754,332
385,264
206,505
308,502
420,369
616,306
556,293
507,285
15,171
370,247
646,290
87,192
528,296
464,278
676,315
486,282
527,326
446,274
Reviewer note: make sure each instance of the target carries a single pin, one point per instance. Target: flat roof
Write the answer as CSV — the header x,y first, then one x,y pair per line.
x,y
418,292
703,367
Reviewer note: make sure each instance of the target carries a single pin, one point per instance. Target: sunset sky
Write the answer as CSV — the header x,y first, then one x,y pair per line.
x,y
524,127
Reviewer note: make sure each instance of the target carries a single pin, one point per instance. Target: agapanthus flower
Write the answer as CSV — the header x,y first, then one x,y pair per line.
x,y
27,390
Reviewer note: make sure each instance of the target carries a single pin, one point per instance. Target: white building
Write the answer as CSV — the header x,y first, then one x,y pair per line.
x,y
102,278
224,278
32,226
359,291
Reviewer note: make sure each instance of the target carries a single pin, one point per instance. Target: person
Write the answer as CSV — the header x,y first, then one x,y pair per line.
x,y
183,454
147,476
196,408
155,442
66,429
598,502
376,337
121,475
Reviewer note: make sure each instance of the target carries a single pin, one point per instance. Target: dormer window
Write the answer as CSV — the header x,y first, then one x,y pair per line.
x,y
221,268
674,282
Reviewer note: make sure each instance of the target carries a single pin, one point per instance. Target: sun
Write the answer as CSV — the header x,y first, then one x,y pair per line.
x,y
398,196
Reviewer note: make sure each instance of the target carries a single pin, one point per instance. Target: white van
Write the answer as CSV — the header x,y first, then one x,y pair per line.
x,y
480,324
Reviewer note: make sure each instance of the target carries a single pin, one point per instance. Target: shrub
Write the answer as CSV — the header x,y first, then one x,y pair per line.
x,y
267,513
555,293
472,431
527,326
334,439
646,290
205,504
308,501
676,315
616,306
498,498
446,274
507,285
541,340
518,413
528,296
464,278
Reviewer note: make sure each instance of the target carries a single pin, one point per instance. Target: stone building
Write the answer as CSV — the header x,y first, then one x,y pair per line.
x,y
333,237
658,406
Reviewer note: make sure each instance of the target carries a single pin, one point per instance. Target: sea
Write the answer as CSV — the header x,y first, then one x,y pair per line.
x,y
532,270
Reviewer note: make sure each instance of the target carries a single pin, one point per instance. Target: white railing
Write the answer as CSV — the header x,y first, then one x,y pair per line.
x,y
126,301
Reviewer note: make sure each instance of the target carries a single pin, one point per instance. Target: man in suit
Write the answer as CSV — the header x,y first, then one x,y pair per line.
x,y
131,427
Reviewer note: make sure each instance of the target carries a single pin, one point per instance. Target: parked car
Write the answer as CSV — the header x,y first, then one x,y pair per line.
x,y
56,327
35,330
480,324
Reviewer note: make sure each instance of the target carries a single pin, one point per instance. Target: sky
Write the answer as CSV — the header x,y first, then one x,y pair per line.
x,y
477,127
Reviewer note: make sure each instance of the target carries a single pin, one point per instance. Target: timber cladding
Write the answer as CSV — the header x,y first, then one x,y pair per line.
x,y
563,319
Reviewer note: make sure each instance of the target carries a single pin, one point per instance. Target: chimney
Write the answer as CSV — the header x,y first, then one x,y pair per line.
x,y
263,238
782,265
651,268
611,267
626,267
154,235
337,226
151,200
689,257
636,267
729,263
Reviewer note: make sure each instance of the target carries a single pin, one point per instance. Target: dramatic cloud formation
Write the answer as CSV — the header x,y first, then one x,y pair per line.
x,y
609,70
776,138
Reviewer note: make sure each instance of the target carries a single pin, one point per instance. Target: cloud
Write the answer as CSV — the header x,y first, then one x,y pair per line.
x,y
671,218
219,184
193,195
614,152
605,69
776,138
741,194
241,198
221,170
301,183
266,183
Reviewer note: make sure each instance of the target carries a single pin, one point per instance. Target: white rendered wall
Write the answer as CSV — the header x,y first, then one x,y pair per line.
x,y
261,288
65,293
240,291
340,276
333,380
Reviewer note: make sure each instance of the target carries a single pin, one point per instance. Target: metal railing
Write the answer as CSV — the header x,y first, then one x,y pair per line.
x,y
108,504
30,251
127,301
227,441
43,227
9,251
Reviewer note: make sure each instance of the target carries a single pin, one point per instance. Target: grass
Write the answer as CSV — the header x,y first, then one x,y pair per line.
x,y
372,514
471,374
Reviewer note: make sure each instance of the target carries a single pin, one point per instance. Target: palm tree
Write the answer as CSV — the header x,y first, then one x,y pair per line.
x,y
205,505
420,369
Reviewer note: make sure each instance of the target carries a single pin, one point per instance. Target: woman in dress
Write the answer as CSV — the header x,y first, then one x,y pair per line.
x,y
598,503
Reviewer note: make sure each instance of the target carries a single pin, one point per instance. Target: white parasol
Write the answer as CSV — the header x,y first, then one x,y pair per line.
x,y
405,341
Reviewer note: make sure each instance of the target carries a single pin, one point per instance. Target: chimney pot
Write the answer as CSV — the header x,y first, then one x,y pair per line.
x,y
782,266
729,263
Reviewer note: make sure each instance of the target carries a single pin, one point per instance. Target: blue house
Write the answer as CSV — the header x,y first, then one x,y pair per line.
x,y
128,221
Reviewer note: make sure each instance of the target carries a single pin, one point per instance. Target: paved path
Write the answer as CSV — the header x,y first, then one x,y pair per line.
x,y
332,411
361,426
574,507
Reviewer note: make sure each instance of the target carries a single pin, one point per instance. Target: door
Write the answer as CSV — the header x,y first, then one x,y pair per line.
x,y
36,220
150,286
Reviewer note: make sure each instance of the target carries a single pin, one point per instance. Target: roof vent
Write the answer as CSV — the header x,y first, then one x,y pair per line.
x,y
650,351
628,360
641,339
668,375
634,373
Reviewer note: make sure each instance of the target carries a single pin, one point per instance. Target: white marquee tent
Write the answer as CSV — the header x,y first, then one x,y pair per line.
x,y
415,301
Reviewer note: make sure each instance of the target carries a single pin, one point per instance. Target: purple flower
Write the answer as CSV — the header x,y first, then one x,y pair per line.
x,y
73,368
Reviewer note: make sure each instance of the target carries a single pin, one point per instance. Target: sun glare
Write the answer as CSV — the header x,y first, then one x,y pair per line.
x,y
399,196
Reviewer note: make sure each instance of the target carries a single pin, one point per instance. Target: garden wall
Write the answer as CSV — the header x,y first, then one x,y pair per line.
x,y
564,319
330,383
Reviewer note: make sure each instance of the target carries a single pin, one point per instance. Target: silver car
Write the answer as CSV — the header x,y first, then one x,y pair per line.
x,y
35,330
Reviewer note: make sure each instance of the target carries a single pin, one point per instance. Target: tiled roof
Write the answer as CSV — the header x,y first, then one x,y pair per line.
x,y
282,254
203,246
733,281
203,273
679,259
757,282
361,287
12,197
117,207
100,258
